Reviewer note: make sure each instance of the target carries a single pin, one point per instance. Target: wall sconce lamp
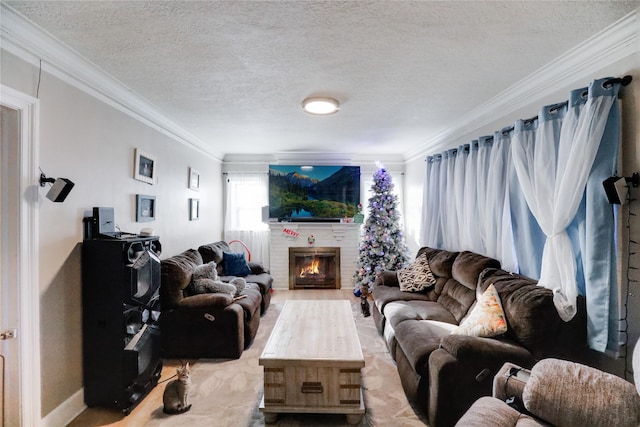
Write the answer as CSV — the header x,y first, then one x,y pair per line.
x,y
59,190
617,187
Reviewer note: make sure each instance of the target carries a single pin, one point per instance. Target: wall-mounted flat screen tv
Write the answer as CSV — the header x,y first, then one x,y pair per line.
x,y
313,193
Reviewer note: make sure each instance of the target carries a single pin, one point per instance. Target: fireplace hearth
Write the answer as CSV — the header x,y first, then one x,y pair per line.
x,y
315,268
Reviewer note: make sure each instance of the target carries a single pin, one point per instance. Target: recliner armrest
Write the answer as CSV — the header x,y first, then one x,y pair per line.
x,y
510,382
462,370
213,300
387,278
478,350
257,267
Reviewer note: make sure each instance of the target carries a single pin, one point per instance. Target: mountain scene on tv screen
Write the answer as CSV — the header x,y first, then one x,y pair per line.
x,y
317,192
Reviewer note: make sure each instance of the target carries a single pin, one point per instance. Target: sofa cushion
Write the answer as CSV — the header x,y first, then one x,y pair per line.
x,y
417,276
458,293
467,268
399,311
386,294
532,318
486,318
213,251
440,261
176,275
418,339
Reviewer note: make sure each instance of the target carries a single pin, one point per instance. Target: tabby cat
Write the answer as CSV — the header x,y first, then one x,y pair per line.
x,y
176,392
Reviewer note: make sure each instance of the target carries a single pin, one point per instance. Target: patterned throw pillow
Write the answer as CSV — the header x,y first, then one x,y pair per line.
x,y
417,276
487,317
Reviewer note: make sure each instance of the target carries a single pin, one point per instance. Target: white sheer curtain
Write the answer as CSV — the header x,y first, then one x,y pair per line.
x,y
471,200
431,206
531,196
485,216
449,220
458,194
553,176
245,195
498,195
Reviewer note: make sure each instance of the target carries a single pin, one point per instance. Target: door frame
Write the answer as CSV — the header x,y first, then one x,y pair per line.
x,y
28,255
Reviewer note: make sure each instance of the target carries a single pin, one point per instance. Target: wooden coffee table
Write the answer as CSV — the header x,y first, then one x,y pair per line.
x,y
312,361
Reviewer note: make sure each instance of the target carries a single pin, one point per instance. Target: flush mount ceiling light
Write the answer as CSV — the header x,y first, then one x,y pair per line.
x,y
320,106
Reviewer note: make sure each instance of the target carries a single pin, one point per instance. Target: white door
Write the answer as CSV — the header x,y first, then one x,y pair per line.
x,y
9,298
19,266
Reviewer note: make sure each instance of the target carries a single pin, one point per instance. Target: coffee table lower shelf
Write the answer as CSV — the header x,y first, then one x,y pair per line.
x,y
354,414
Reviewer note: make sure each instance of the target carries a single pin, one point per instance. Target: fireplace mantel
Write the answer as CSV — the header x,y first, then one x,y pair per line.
x,y
284,235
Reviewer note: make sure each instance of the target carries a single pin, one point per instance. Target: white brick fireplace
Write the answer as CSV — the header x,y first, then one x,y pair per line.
x,y
284,235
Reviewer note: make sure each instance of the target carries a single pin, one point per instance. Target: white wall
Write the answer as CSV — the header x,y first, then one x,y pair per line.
x,y
92,144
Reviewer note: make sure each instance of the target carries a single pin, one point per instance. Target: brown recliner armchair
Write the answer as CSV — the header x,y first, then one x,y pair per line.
x,y
210,325
556,393
256,272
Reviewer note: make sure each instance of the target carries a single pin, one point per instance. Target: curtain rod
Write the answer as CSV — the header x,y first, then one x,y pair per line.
x,y
624,81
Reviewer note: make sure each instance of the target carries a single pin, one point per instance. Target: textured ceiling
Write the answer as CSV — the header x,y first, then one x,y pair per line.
x,y
233,73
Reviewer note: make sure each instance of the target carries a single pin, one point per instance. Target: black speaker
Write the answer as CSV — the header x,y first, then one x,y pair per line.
x,y
617,188
121,334
60,190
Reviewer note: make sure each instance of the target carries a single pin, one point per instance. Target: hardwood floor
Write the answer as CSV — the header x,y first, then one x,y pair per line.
x,y
93,417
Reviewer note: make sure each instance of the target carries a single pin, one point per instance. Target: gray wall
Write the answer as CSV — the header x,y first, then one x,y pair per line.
x,y
92,144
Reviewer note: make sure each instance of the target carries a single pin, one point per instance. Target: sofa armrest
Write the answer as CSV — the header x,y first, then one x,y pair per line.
x,y
387,278
480,350
462,370
209,300
257,267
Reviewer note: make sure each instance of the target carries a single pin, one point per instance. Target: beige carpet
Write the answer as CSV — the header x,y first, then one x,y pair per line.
x,y
228,392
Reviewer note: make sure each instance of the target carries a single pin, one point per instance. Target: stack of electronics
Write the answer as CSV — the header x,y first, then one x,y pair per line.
x,y
121,309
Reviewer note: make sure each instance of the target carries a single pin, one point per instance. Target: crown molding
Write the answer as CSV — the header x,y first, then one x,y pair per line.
x,y
618,41
32,44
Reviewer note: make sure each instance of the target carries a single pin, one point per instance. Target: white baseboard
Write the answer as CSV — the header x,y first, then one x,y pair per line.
x,y
66,412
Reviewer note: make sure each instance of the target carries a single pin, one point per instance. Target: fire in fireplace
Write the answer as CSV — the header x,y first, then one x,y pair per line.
x,y
314,268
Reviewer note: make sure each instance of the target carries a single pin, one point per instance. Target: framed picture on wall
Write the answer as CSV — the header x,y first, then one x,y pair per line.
x,y
145,208
144,167
194,209
194,179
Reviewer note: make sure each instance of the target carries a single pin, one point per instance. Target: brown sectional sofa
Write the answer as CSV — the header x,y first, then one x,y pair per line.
x,y
211,325
442,373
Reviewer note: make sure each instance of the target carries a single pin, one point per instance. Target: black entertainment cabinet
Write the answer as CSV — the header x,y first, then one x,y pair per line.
x,y
121,334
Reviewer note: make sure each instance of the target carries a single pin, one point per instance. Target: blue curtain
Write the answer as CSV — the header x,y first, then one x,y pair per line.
x,y
529,173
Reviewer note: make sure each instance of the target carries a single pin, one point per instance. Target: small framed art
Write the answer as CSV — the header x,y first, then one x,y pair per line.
x,y
145,208
194,209
144,167
194,179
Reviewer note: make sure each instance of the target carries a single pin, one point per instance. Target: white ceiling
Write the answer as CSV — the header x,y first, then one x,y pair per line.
x,y
234,73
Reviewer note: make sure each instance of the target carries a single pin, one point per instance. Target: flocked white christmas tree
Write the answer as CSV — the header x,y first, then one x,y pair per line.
x,y
383,246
